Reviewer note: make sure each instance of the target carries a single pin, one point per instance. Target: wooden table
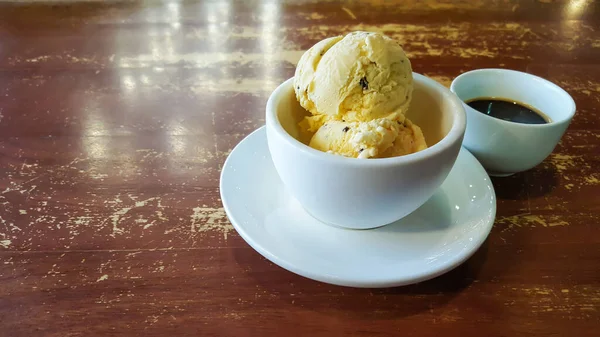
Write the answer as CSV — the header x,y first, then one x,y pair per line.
x,y
116,117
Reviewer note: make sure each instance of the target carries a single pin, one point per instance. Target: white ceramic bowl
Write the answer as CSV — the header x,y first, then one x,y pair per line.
x,y
366,193
504,147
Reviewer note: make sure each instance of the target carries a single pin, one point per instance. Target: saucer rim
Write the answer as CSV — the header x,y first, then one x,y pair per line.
x,y
424,275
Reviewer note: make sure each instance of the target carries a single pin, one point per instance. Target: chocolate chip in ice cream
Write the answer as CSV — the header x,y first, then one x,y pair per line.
x,y
364,83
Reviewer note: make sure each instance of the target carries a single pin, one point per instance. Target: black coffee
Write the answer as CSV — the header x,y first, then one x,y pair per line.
x,y
508,110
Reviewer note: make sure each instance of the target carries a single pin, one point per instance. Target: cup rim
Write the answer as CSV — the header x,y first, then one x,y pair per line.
x,y
566,119
455,133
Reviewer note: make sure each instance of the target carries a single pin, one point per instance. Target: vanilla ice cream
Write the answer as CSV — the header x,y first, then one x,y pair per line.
x,y
357,88
377,138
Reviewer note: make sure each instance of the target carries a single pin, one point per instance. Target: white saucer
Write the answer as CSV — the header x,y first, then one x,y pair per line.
x,y
434,239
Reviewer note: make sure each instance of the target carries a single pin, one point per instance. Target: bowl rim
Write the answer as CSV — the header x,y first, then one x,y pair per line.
x,y
495,71
455,134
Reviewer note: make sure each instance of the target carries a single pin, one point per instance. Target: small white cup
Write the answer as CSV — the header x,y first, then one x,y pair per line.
x,y
504,147
366,193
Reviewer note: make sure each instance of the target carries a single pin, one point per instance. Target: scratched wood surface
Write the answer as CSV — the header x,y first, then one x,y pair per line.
x,y
116,117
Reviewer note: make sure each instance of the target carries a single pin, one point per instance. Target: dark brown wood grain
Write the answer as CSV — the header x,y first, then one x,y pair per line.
x,y
115,120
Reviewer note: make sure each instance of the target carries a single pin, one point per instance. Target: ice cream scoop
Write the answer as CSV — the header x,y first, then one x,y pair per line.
x,y
360,83
376,138
358,77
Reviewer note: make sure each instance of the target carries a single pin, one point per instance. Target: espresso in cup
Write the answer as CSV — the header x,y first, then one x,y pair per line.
x,y
538,113
508,110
